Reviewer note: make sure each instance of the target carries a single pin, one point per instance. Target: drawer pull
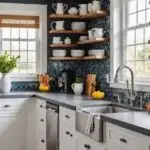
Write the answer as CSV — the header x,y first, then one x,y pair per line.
x,y
123,140
41,106
42,120
6,106
67,116
43,141
87,146
67,132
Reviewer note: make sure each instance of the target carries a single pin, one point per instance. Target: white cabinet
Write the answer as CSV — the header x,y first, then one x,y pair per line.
x,y
125,139
35,138
67,132
12,124
113,147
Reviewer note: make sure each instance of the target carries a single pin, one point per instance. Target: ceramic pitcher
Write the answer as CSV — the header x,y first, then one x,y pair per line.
x,y
59,25
60,8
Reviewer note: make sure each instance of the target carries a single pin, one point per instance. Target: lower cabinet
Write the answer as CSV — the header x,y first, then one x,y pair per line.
x,y
113,147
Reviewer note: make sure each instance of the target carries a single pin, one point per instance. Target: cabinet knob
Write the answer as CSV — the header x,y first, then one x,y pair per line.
x,y
87,146
42,120
123,140
67,132
67,116
6,106
71,135
41,106
43,141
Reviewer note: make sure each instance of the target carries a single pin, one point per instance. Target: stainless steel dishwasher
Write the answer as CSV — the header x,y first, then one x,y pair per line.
x,y
52,116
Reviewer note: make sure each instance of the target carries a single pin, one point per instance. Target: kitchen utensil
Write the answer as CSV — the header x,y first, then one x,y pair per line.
x,y
97,52
77,88
77,53
57,40
59,53
96,5
59,25
90,7
67,40
73,11
83,38
83,9
90,86
60,8
78,26
66,79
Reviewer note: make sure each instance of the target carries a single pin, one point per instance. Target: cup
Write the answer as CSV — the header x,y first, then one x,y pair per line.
x,y
77,88
90,7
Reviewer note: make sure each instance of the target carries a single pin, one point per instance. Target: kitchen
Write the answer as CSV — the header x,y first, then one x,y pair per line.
x,y
74,75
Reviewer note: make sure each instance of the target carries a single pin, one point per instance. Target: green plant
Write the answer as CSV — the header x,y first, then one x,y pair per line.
x,y
7,62
79,80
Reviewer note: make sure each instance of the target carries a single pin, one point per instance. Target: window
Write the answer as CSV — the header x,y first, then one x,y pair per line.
x,y
19,36
23,31
137,46
130,40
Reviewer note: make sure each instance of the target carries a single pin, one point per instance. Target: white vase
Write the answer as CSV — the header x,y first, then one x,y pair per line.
x,y
5,83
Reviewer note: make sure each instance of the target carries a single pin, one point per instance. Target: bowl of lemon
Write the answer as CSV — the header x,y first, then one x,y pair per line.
x,y
98,95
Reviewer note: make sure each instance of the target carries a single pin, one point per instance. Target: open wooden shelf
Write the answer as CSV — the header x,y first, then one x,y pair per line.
x,y
94,15
95,41
67,32
62,45
79,58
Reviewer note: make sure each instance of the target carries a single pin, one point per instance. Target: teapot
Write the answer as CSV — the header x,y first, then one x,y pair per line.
x,y
60,8
73,11
83,9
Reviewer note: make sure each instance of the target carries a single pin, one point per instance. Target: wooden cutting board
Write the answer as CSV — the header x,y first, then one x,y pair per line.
x,y
90,85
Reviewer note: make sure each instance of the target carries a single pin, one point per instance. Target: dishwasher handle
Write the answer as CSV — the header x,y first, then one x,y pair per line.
x,y
51,109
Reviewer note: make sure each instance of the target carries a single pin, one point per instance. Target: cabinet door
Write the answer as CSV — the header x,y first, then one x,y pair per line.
x,y
67,137
10,132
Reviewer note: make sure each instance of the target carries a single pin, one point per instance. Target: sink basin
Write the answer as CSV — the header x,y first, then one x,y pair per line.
x,y
104,109
82,116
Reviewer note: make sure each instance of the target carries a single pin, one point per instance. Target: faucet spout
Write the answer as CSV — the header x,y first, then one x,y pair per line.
x,y
131,95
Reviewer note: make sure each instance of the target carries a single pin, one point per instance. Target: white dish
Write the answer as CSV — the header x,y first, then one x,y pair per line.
x,y
77,53
59,53
97,52
78,26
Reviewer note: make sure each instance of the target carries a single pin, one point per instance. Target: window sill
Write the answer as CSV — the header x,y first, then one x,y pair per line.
x,y
137,86
23,79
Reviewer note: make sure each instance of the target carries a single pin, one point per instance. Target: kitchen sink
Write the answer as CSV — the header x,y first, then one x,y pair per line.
x,y
82,117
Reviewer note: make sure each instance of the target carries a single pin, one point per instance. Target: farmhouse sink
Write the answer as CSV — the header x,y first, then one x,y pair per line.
x,y
82,116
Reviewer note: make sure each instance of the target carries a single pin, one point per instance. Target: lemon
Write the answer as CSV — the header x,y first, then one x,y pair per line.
x,y
98,95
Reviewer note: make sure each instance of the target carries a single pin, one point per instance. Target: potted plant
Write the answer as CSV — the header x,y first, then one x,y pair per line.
x,y
77,87
7,64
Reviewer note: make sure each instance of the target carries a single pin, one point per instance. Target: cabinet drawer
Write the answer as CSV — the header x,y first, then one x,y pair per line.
x,y
67,115
11,106
123,137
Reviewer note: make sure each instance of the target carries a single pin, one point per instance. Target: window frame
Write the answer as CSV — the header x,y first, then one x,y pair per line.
x,y
118,24
33,10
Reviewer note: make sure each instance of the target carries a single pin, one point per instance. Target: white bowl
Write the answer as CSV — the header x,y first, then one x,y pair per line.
x,y
59,53
79,26
77,53
97,52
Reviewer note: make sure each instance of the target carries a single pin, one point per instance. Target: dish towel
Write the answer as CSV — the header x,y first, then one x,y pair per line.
x,y
90,124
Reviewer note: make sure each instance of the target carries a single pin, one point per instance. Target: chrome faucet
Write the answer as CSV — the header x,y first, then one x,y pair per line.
x,y
130,94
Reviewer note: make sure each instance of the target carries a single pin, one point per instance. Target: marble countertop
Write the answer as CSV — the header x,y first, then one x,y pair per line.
x,y
67,100
136,121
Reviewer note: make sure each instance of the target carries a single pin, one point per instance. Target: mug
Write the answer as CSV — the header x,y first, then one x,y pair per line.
x,y
96,5
77,88
59,25
90,7
60,8
98,32
83,9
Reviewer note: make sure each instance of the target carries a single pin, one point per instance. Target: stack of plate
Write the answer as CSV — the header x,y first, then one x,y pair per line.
x,y
77,53
97,52
59,53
